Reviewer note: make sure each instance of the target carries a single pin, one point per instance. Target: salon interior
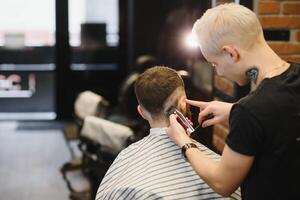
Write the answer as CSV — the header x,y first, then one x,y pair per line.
x,y
62,61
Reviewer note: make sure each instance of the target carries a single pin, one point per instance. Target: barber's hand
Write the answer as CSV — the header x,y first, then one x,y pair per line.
x,y
177,133
212,112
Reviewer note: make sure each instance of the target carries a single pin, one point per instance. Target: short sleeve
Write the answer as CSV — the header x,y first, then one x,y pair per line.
x,y
246,135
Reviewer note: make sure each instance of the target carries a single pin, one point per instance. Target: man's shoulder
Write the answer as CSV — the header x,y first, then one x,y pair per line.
x,y
273,96
133,146
123,192
259,101
296,65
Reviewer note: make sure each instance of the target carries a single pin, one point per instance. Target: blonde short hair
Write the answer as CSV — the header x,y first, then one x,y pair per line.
x,y
225,24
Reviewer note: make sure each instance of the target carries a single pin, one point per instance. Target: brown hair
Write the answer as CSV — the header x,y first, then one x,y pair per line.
x,y
155,86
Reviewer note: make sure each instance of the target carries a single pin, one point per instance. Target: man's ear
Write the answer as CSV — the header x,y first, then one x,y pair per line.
x,y
232,52
182,103
141,112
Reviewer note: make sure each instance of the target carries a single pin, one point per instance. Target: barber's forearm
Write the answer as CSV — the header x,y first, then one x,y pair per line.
x,y
209,170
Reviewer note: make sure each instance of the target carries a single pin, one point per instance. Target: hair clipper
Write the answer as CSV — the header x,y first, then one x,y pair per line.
x,y
182,120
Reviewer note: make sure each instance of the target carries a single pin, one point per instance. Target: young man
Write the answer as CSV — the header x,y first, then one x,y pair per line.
x,y
154,168
262,152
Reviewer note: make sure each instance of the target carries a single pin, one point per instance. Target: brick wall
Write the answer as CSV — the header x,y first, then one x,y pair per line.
x,y
282,16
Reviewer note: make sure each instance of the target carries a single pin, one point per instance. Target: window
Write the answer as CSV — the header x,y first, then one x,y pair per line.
x,y
27,39
90,16
28,23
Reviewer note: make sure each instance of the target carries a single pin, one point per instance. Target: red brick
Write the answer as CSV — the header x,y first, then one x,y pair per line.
x,y
224,85
291,8
269,7
277,22
293,58
285,48
221,131
218,143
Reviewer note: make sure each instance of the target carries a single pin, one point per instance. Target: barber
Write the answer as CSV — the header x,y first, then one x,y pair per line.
x,y
262,151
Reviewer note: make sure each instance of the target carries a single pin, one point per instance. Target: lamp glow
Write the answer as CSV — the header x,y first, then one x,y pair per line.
x,y
191,41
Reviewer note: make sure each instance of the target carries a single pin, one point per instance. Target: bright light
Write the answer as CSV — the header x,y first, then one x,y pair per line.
x,y
191,40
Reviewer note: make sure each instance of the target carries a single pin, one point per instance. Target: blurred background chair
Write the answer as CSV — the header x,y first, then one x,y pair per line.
x,y
103,131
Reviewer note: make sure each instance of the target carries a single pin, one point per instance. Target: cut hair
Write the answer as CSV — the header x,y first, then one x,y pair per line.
x,y
155,86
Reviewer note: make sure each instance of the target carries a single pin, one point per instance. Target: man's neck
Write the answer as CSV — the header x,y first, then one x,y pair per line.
x,y
267,62
159,123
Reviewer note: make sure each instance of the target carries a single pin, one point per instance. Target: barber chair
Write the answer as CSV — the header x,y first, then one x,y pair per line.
x,y
93,118
86,104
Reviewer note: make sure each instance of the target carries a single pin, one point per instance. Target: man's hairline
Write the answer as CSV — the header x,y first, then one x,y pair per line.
x,y
174,94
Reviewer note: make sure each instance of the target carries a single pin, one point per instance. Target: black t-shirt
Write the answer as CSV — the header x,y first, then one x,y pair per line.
x,y
266,124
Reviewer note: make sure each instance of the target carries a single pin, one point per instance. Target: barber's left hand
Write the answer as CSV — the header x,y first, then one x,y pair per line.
x,y
177,133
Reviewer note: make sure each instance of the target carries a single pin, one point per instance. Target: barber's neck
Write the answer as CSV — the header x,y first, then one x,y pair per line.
x,y
266,60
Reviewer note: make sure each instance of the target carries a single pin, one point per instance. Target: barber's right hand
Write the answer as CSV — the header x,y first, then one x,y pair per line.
x,y
177,133
212,112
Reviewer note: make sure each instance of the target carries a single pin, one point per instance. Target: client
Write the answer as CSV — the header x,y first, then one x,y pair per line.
x,y
154,168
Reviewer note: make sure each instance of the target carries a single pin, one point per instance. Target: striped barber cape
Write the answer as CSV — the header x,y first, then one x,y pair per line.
x,y
154,168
